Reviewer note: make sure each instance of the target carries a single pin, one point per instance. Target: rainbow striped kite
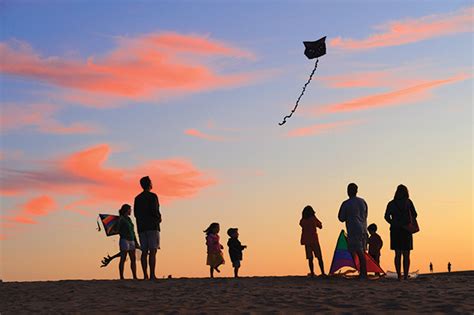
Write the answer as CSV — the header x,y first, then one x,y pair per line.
x,y
110,223
343,258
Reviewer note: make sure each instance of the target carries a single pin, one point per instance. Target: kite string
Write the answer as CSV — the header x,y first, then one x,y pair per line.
x,y
302,92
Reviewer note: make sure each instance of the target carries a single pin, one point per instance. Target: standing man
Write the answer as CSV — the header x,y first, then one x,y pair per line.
x,y
147,212
353,211
431,267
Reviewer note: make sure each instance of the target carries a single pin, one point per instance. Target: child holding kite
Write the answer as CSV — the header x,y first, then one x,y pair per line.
x,y
309,238
128,240
215,257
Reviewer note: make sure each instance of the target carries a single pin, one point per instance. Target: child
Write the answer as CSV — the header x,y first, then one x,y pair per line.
x,y
235,249
309,238
375,244
214,248
127,240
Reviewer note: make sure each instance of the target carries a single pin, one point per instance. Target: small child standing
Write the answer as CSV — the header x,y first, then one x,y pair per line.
x,y
215,257
309,238
235,249
128,240
375,244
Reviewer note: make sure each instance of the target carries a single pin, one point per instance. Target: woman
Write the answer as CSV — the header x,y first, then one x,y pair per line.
x,y
398,214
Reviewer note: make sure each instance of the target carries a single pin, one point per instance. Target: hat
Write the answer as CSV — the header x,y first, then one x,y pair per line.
x,y
231,231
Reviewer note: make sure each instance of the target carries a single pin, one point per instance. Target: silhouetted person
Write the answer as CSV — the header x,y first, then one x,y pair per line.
x,y
147,212
128,240
215,257
309,238
375,244
354,211
401,240
431,267
235,249
449,267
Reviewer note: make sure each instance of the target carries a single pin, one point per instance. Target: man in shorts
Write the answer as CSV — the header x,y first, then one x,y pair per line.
x,y
147,213
353,211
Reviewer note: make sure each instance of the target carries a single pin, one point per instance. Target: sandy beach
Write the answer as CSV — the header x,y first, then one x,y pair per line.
x,y
441,292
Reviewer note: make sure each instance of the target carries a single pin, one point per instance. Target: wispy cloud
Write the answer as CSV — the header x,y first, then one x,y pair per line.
x,y
138,68
41,117
406,95
322,128
199,134
412,30
84,176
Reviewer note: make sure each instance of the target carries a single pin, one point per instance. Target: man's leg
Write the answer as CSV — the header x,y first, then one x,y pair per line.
x,y
406,263
144,261
363,263
152,261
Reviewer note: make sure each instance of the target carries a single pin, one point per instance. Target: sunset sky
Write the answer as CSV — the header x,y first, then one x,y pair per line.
x,y
95,95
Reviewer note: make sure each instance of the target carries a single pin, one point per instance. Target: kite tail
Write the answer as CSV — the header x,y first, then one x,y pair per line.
x,y
98,225
302,92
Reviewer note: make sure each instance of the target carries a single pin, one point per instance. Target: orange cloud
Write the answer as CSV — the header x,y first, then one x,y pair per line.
x,y
396,97
321,128
198,134
41,205
138,68
412,30
40,116
85,176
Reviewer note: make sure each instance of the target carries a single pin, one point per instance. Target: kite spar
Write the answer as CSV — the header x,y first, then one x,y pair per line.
x,y
312,50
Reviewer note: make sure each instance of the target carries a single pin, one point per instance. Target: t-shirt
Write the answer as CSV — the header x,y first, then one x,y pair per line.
x,y
125,227
309,234
353,211
375,244
213,244
235,249
147,212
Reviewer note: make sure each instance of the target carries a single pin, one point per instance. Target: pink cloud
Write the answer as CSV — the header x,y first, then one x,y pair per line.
x,y
138,68
85,176
402,96
322,128
412,30
198,134
40,116
359,79
41,205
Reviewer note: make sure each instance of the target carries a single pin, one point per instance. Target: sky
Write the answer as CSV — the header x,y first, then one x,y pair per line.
x,y
95,95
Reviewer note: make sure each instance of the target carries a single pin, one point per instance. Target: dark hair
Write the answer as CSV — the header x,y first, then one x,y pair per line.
x,y
211,228
372,228
308,212
401,193
231,231
125,207
352,189
145,182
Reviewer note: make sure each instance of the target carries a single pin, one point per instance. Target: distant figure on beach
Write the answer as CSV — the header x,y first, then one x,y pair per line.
x,y
147,212
128,240
449,266
235,249
431,267
398,215
215,258
354,211
375,244
309,238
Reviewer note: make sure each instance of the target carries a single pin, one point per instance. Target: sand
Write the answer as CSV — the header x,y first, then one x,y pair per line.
x,y
442,293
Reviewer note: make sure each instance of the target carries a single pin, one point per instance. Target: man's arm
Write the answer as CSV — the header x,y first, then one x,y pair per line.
x,y
342,216
156,208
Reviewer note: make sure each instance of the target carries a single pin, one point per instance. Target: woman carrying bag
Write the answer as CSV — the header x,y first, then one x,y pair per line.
x,y
401,215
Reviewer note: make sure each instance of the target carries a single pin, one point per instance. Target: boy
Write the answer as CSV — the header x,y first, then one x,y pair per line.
x,y
235,249
375,244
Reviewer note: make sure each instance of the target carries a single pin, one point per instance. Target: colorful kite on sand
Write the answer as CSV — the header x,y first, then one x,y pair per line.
x,y
312,50
343,258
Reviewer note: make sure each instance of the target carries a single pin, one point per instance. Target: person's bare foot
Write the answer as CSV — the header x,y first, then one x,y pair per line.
x,y
217,269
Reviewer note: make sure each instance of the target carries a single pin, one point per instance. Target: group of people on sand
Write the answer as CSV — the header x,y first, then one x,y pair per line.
x,y
399,214
353,211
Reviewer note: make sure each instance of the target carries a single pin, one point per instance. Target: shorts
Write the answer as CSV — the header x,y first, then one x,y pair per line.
x,y
236,263
126,245
312,248
215,259
356,243
149,240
